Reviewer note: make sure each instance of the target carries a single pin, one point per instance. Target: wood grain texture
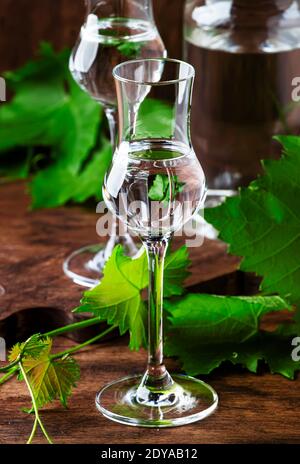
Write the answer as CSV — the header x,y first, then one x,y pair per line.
x,y
23,25
253,409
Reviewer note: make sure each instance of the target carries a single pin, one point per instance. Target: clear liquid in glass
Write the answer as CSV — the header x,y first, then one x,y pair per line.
x,y
154,187
106,42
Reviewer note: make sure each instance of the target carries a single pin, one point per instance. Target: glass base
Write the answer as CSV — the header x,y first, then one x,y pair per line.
x,y
190,400
84,266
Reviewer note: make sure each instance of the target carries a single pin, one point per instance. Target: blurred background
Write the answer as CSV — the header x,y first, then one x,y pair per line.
x,y
24,25
246,55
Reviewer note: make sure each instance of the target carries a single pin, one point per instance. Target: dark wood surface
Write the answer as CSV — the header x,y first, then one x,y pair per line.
x,y
23,25
253,409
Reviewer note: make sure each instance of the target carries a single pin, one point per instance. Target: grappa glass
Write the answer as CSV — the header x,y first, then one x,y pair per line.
x,y
155,185
114,31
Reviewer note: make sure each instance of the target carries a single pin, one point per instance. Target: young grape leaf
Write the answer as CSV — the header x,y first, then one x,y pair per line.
x,y
262,223
33,347
117,299
49,378
206,330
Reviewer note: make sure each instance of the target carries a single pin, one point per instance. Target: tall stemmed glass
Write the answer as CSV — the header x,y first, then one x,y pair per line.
x,y
114,31
155,185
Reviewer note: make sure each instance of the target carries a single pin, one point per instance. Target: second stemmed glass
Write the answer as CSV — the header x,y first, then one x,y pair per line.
x,y
155,185
114,31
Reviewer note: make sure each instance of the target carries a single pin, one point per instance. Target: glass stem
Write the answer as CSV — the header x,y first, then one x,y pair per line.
x,y
111,113
156,256
157,379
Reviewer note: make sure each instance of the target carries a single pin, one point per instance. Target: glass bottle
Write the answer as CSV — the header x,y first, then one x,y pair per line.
x,y
247,55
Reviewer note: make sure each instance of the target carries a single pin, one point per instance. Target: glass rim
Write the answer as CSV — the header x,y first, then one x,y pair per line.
x,y
191,73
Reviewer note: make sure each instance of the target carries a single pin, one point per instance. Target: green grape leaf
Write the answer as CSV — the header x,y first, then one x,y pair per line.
x,y
118,300
176,271
157,191
130,49
154,120
89,182
33,347
262,223
50,119
49,108
51,112
49,378
205,330
76,128
271,349
163,189
55,185
39,94
52,187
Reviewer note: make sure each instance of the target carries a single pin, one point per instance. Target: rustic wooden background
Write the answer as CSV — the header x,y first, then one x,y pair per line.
x,y
24,24
253,408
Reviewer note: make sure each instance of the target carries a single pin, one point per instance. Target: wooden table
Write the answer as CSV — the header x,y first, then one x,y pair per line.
x,y
253,409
